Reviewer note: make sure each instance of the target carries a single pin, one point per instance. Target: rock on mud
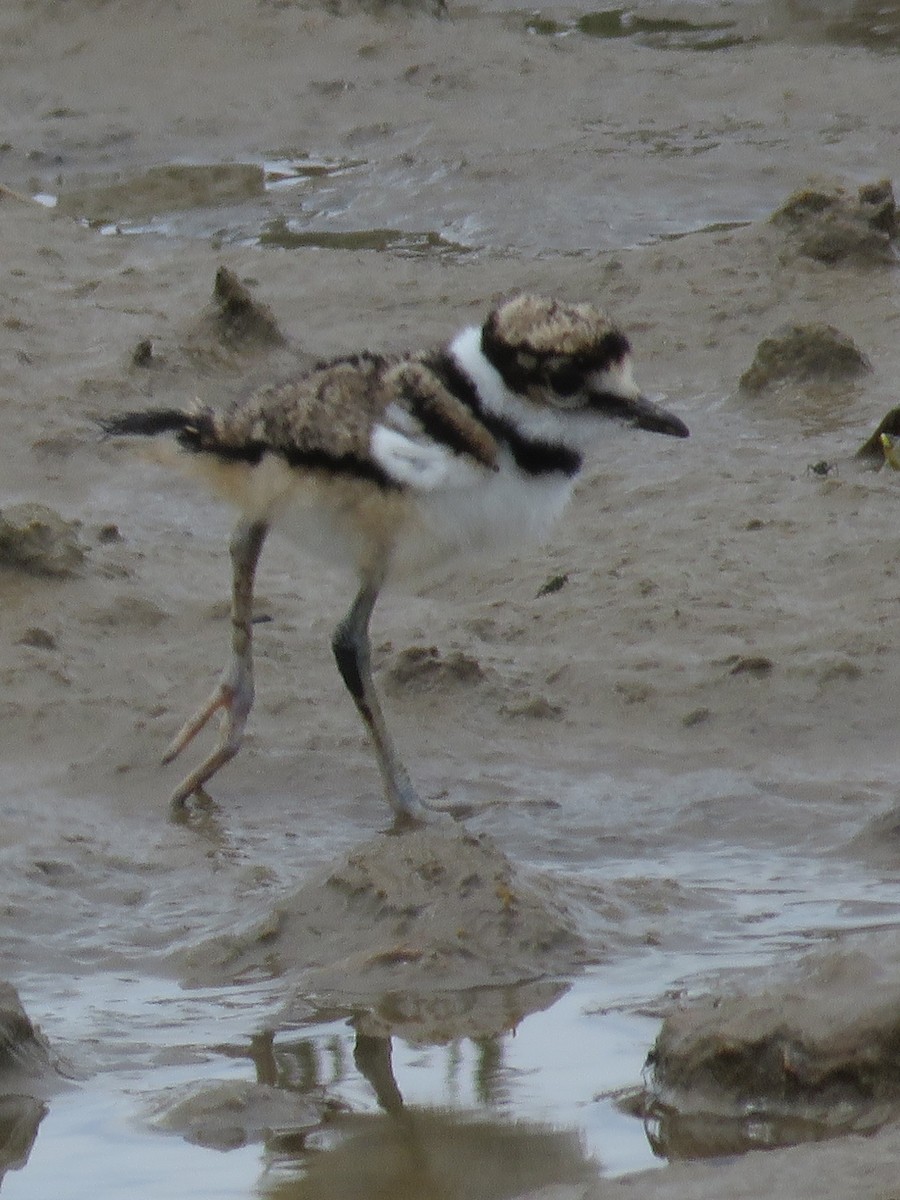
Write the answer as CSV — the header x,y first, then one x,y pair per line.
x,y
36,539
804,354
832,227
26,1073
423,930
821,1045
23,1047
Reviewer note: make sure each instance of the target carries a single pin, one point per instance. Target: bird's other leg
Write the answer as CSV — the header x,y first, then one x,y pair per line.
x,y
353,655
233,694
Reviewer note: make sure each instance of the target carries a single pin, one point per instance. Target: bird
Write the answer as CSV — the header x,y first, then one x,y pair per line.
x,y
394,463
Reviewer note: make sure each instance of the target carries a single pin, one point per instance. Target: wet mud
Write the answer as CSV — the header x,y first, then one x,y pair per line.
x,y
668,737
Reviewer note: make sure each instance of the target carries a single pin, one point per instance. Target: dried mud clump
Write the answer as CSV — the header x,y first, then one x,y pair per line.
x,y
822,1044
424,667
36,539
240,318
804,354
27,1074
833,227
22,1046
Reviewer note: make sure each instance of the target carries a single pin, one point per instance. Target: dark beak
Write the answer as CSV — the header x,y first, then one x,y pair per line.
x,y
641,412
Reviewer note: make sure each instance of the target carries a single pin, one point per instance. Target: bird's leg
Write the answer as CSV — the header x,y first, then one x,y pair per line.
x,y
352,652
234,692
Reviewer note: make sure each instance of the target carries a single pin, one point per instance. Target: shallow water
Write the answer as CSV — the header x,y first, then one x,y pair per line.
x,y
613,170
568,1077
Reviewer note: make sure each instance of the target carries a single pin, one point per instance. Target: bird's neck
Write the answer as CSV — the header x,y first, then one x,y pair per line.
x,y
532,434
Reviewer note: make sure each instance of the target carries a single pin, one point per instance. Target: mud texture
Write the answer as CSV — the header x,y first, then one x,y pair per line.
x,y
671,732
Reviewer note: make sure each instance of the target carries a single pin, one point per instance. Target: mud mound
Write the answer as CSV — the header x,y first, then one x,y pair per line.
x,y
233,330
878,842
872,449
406,927
36,539
239,317
802,354
832,227
26,1074
821,1046
23,1049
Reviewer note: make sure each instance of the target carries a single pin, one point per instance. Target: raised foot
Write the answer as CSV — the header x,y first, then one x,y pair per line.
x,y
234,702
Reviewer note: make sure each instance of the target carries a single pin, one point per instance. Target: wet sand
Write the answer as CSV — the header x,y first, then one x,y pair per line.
x,y
677,761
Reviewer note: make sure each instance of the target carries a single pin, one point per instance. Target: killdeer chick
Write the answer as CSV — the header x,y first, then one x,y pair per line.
x,y
391,464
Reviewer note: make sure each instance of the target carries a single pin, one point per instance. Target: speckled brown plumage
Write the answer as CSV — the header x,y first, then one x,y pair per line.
x,y
326,416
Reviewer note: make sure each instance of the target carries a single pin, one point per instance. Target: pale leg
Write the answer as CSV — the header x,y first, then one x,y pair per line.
x,y
352,652
234,692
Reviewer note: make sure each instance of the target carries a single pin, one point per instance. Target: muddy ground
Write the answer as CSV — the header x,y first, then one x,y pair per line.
x,y
701,664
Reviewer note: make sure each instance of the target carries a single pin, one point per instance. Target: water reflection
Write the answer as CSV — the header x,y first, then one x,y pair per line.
x,y
467,1144
309,1064
683,1136
426,1154
373,1057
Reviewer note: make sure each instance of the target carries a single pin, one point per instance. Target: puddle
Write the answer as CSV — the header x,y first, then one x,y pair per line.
x,y
665,33
233,203
610,172
868,24
159,190
406,244
555,1099
177,187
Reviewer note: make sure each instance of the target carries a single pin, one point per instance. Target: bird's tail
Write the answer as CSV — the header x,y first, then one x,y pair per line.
x,y
194,429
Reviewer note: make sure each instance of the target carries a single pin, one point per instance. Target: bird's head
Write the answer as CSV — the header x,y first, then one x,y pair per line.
x,y
570,358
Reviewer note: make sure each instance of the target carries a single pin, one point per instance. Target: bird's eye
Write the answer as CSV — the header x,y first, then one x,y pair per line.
x,y
566,380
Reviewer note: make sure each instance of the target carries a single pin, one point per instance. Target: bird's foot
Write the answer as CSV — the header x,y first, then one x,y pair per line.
x,y
411,813
234,700
221,698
